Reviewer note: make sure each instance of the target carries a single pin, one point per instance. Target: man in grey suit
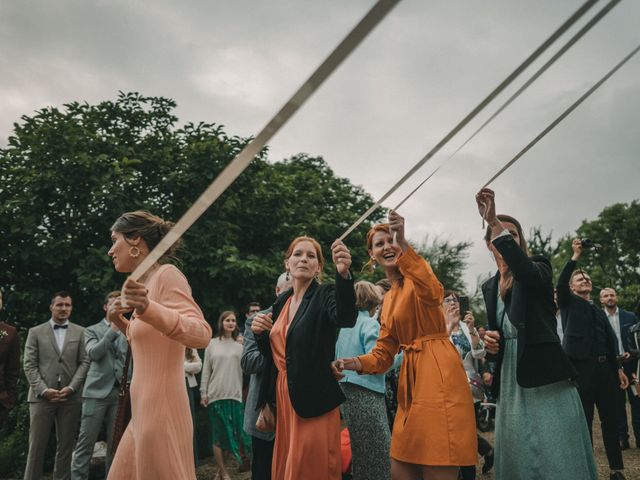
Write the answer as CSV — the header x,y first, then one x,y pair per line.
x,y
106,348
55,365
252,363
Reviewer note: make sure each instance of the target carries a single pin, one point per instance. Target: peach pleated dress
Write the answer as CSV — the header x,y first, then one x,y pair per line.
x,y
158,442
435,424
305,448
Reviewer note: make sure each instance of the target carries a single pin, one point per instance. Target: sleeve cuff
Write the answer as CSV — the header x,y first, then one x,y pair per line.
x,y
503,233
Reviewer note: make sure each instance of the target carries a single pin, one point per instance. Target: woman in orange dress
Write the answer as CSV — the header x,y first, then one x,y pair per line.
x,y
435,430
298,348
158,442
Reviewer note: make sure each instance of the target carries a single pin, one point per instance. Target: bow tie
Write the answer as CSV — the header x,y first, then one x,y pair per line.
x,y
55,327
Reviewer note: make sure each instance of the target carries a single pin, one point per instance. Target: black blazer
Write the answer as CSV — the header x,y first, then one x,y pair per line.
x,y
530,308
311,347
577,321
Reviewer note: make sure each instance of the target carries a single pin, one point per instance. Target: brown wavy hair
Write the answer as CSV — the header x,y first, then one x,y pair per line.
x,y
147,226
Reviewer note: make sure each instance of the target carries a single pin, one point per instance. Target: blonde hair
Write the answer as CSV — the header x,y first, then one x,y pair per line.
x,y
367,295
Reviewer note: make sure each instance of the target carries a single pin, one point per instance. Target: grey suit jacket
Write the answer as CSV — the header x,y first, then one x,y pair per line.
x,y
45,366
252,363
106,350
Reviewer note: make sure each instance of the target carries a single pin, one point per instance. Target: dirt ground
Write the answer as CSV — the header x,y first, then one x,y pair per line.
x,y
631,459
207,469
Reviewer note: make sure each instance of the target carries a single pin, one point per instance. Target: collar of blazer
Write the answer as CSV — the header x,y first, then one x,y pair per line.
x,y
282,299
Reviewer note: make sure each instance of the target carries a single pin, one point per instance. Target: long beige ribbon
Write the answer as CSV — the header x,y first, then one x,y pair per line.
x,y
505,83
596,18
563,115
244,158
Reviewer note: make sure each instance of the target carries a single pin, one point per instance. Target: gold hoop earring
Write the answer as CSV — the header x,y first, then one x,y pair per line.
x,y
134,252
287,278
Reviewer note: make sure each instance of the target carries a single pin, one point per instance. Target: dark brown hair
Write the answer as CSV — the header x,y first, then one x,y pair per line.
x,y
61,294
221,318
147,226
509,219
110,295
316,247
448,293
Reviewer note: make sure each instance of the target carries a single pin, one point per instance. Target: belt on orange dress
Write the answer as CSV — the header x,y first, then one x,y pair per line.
x,y
407,371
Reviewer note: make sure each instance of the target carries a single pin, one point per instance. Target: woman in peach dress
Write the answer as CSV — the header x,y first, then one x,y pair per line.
x,y
158,442
435,429
298,348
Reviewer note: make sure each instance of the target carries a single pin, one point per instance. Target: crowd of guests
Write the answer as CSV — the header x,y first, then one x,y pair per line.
x,y
401,364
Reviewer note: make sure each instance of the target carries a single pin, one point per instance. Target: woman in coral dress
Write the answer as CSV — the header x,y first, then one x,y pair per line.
x,y
435,430
299,348
158,442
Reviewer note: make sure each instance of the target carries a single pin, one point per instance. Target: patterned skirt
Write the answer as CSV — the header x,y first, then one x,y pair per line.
x,y
226,417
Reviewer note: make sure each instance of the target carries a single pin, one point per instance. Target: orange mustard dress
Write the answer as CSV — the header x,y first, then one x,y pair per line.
x,y
158,442
305,448
435,423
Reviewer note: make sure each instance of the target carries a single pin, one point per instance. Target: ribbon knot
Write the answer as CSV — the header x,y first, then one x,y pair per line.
x,y
408,368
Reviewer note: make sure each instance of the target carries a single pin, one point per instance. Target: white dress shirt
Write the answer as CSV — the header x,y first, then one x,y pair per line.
x,y
614,320
59,333
559,325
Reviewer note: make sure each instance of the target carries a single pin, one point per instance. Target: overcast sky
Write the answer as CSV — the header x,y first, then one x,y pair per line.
x,y
235,62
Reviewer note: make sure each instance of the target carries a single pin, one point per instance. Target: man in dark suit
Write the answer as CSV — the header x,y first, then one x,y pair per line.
x,y
9,366
591,345
55,364
621,321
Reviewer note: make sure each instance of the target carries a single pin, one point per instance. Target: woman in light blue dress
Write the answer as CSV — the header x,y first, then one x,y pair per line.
x,y
541,431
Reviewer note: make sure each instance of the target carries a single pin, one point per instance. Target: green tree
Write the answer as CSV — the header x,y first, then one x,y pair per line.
x,y
448,260
540,243
67,174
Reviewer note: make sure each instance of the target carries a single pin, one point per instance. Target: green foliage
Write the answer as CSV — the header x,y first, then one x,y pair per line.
x,y
67,174
447,259
541,244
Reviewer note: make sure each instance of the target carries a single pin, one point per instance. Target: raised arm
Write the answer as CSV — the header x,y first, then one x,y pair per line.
x,y
340,303
413,266
533,274
382,356
427,286
97,347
